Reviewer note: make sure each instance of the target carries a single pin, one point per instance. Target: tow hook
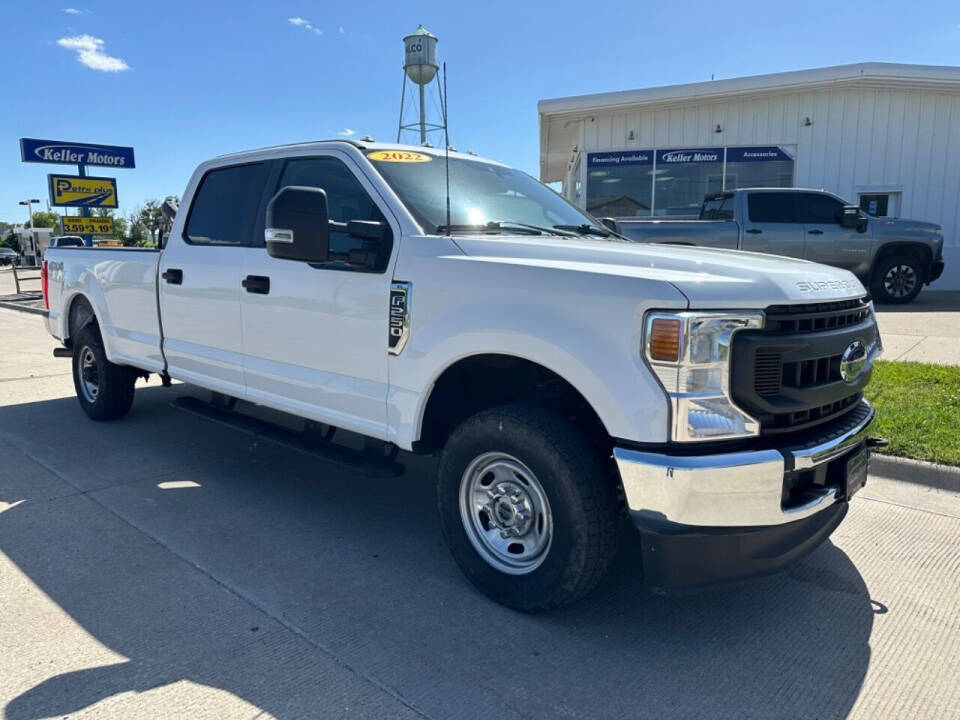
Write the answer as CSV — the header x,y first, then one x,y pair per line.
x,y
877,442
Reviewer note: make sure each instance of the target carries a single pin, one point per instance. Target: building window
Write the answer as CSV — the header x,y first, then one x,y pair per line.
x,y
750,167
642,183
880,204
620,184
683,177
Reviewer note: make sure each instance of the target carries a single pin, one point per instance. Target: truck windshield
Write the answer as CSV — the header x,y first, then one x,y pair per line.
x,y
483,197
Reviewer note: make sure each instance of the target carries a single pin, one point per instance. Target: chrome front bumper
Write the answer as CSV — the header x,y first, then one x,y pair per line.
x,y
737,489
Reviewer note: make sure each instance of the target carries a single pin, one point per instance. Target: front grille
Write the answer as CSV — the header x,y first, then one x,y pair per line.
x,y
810,416
768,373
819,316
795,381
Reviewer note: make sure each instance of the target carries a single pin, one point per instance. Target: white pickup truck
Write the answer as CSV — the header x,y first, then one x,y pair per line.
x,y
565,376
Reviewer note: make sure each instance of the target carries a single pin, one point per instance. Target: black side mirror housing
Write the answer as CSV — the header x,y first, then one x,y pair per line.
x,y
298,224
850,217
610,224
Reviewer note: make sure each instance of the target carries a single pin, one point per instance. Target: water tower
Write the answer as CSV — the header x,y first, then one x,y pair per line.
x,y
420,68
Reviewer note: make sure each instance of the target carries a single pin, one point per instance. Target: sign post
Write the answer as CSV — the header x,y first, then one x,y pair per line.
x,y
82,154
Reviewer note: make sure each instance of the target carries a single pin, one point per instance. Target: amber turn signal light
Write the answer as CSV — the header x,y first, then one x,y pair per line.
x,y
665,340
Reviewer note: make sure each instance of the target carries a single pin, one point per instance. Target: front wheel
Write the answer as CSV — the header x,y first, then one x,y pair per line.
x,y
527,507
897,279
104,389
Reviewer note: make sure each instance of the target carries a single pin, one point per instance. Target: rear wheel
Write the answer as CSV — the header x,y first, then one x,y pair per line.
x,y
897,279
104,389
527,507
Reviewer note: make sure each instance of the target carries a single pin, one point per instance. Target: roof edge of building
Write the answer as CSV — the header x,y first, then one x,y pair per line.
x,y
878,72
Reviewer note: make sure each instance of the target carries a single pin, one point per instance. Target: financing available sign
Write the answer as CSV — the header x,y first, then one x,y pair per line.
x,y
71,153
77,191
87,226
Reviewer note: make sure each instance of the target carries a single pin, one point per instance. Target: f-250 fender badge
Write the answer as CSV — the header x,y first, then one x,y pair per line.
x,y
399,320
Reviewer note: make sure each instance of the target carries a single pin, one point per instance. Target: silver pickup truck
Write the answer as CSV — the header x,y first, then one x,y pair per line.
x,y
891,256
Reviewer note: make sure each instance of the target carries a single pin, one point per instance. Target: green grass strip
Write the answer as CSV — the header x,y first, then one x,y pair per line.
x,y
918,410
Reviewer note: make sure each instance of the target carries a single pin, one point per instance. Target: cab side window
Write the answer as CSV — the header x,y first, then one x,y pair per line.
x,y
346,199
770,207
814,208
225,205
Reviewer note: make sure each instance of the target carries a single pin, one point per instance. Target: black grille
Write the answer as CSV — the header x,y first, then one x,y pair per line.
x,y
795,381
768,373
820,316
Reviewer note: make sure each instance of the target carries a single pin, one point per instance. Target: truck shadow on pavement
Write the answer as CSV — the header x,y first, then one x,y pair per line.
x,y
200,555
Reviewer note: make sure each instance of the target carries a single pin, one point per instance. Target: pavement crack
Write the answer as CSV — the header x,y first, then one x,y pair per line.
x,y
910,507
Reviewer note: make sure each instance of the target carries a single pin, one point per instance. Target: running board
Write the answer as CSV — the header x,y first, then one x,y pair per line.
x,y
363,463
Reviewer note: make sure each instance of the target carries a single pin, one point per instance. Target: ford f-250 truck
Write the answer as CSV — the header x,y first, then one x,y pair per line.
x,y
565,376
891,256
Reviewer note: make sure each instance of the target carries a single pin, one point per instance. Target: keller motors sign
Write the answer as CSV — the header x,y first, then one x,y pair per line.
x,y
71,153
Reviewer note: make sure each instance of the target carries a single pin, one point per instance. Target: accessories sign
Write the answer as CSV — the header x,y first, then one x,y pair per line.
x,y
70,153
76,191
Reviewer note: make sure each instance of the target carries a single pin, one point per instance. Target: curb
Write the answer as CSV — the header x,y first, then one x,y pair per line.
x,y
944,477
23,308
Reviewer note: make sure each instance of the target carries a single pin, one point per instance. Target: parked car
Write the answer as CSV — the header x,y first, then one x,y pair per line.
x,y
891,256
563,375
8,256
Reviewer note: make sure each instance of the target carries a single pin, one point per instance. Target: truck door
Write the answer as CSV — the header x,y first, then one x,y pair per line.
x,y
827,241
770,224
200,279
315,335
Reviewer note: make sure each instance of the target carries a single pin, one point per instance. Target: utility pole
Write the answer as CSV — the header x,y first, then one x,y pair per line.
x,y
34,244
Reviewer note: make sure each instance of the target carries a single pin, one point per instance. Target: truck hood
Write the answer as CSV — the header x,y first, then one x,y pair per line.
x,y
904,229
709,278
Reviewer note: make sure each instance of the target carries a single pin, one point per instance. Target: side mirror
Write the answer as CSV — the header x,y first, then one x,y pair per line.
x,y
610,224
850,216
298,225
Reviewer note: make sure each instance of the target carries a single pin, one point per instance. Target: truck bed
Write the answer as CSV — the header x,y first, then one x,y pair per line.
x,y
122,286
705,233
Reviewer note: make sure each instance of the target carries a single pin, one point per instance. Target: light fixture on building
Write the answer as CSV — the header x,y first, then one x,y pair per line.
x,y
718,129
630,135
807,122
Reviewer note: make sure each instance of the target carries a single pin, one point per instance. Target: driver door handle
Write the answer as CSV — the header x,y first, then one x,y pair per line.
x,y
258,284
815,232
173,276
754,231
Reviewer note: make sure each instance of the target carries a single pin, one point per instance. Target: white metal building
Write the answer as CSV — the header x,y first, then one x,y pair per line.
x,y
885,136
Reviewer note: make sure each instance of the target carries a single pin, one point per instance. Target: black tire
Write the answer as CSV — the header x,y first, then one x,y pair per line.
x,y
114,383
579,489
897,279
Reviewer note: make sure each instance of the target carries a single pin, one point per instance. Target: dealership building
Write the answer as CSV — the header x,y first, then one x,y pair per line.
x,y
880,135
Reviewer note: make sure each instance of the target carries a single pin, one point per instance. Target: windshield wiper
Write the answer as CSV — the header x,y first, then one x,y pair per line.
x,y
585,229
501,226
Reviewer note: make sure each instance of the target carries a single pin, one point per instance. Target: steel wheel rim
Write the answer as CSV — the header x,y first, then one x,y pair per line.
x,y
505,513
900,281
89,375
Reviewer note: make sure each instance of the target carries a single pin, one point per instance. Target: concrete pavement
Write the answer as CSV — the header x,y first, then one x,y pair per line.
x,y
161,566
926,330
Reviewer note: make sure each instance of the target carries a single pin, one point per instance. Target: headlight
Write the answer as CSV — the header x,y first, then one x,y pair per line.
x,y
690,354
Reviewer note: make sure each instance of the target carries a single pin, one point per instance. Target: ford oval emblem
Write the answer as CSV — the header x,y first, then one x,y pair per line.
x,y
852,361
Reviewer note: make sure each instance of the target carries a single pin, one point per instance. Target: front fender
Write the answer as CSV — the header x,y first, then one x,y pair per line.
x,y
585,328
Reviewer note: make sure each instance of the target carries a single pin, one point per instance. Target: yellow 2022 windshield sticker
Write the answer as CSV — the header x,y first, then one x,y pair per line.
x,y
398,156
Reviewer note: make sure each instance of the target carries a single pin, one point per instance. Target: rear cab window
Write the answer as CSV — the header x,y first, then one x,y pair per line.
x,y
225,205
718,208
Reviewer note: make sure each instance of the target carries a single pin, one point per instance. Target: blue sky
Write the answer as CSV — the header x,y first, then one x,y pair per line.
x,y
183,81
